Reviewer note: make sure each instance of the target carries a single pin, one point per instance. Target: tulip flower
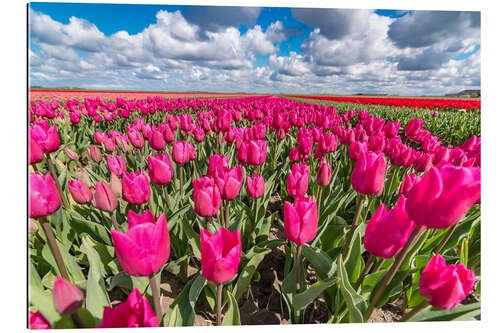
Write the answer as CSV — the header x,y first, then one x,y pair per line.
x,y
324,174
35,152
328,143
368,174
376,143
423,162
67,297
408,182
135,138
388,231
229,182
135,187
253,152
294,154
100,137
220,254
44,198
443,195
37,321
182,152
145,248
116,164
206,197
357,148
298,179
79,191
160,169
94,154
104,197
134,312
116,185
445,286
157,141
216,164
413,128
255,186
48,139
301,219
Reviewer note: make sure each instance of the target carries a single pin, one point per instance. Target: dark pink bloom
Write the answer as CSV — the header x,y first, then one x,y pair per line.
x,y
67,297
206,196
301,220
255,186
43,196
298,179
368,174
135,187
38,322
160,169
79,191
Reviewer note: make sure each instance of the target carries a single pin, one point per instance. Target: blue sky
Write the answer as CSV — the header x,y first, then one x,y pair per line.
x,y
228,49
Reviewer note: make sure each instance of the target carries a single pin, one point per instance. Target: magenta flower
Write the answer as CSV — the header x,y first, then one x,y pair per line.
x,y
255,186
43,196
37,321
79,191
135,187
368,174
301,220
116,164
160,169
67,297
324,173
104,197
298,179
206,196
229,182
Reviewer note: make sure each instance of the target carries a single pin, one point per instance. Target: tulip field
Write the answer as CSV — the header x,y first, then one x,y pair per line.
x,y
160,210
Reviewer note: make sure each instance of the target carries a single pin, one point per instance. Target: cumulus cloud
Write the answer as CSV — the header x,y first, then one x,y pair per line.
x,y
215,18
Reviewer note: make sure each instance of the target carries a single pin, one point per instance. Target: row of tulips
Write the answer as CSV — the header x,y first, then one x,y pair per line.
x,y
220,226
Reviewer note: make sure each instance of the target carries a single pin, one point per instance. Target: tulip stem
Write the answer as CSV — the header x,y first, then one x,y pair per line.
x,y
392,271
370,201
369,264
414,311
76,319
378,265
165,189
254,219
52,170
156,297
53,246
219,303
388,190
445,240
320,191
353,226
297,268
115,223
180,183
226,218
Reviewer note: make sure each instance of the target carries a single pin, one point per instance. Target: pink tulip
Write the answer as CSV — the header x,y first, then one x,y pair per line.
x,y
35,151
134,312
301,219
423,162
67,297
413,128
220,254
135,187
443,195
43,196
160,169
38,322
324,173
376,143
357,148
368,174
253,152
48,139
157,141
408,182
229,182
391,129
116,164
298,179
182,152
388,231
79,191
94,154
255,186
217,164
328,143
445,286
206,196
109,145
71,154
145,248
294,154
100,137
104,197
135,137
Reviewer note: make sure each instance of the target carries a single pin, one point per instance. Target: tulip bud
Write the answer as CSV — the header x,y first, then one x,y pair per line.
x,y
104,197
255,186
445,286
67,297
145,248
220,254
71,154
116,164
79,191
43,196
301,219
206,196
388,231
368,174
134,312
408,182
324,174
135,187
160,169
94,154
298,179
182,152
443,195
116,185
38,322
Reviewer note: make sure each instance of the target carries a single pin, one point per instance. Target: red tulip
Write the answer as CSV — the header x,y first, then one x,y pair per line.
x,y
145,248
104,197
43,196
134,312
301,220
135,187
255,186
67,297
445,286
298,179
368,174
388,231
443,195
220,254
160,169
206,196
79,191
